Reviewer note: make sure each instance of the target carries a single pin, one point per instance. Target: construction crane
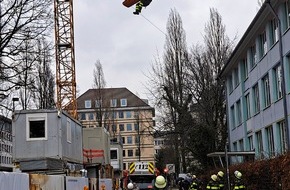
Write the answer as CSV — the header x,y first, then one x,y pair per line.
x,y
65,54
65,57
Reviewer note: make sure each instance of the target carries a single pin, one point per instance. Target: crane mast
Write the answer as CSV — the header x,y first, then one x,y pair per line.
x,y
65,57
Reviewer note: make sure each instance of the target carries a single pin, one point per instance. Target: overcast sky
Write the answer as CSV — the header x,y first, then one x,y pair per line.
x,y
126,44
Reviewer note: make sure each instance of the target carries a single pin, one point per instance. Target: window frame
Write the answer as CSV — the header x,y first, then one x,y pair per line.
x,y
130,153
248,106
256,98
113,103
36,117
123,102
88,104
266,90
270,140
239,112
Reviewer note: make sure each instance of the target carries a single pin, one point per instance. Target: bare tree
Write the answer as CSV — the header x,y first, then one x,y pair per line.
x,y
101,101
170,91
18,18
44,88
208,93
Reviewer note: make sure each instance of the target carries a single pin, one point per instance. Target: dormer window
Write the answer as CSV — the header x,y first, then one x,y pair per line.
x,y
123,102
113,102
88,104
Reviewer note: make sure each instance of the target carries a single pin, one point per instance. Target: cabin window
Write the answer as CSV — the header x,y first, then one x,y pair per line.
x,y
36,127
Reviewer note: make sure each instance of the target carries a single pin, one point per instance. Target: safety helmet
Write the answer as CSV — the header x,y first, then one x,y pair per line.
x,y
221,174
193,176
238,175
235,173
213,177
130,186
160,182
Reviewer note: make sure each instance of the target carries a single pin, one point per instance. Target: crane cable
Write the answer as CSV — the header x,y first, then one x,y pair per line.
x,y
152,24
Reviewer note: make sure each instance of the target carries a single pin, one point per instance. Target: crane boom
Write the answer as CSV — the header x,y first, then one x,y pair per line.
x,y
65,56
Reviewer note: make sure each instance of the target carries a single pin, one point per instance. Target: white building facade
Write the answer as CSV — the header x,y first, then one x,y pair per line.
x,y
257,77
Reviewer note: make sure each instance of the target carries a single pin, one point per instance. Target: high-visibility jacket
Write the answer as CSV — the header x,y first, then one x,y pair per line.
x,y
194,185
238,184
213,185
221,182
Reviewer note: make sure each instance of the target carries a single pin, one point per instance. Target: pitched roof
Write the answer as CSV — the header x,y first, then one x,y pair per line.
x,y
108,94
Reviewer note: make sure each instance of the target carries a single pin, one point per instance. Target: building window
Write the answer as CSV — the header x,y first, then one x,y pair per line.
x,y
68,130
263,44
278,81
114,115
248,106
251,143
129,140
274,32
282,136
130,153
98,103
83,116
241,143
259,142
137,153
288,13
137,139
36,126
114,154
230,83
253,56
239,112
233,122
129,127
123,102
236,75
256,98
121,114
91,116
88,104
123,140
124,166
136,127
114,128
235,146
128,114
245,69
270,140
124,153
121,127
266,91
113,103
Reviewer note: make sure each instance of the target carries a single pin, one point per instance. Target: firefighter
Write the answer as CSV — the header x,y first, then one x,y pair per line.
x,y
160,183
213,183
140,4
194,184
238,182
221,181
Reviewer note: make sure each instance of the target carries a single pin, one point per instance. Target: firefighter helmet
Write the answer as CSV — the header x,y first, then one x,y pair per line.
x,y
130,186
221,174
160,182
213,177
238,175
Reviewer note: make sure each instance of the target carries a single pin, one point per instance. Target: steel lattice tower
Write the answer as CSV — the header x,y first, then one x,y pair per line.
x,y
65,56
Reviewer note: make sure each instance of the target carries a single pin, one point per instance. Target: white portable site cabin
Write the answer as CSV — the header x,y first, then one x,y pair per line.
x,y
46,140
